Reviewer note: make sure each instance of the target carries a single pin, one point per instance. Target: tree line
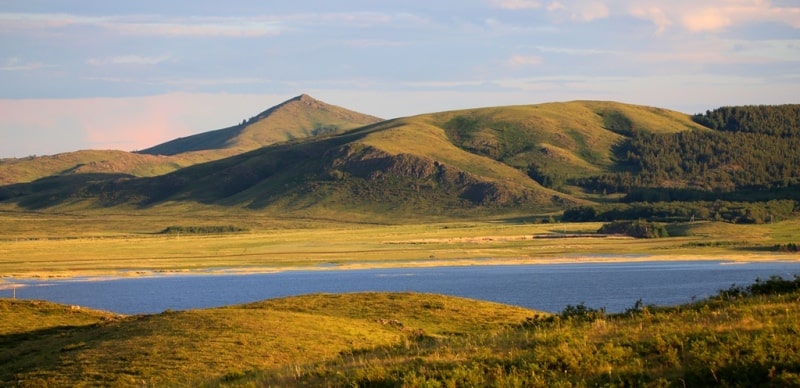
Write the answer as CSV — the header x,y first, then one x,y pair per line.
x,y
735,212
745,148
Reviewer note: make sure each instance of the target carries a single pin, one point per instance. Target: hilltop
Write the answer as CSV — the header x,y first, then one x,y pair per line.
x,y
591,160
298,117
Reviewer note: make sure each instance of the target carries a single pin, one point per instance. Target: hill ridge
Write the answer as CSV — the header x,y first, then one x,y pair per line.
x,y
509,161
304,116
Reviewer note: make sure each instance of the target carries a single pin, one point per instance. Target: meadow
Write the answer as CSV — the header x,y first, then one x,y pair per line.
x,y
62,244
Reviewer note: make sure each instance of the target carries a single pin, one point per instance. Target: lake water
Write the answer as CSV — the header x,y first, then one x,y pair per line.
x,y
544,287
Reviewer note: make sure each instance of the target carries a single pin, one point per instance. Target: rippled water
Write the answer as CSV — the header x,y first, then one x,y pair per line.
x,y
545,287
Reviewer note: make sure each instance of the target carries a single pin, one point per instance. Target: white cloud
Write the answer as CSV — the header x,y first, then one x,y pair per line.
x,y
655,15
128,60
17,64
372,43
208,26
147,25
524,60
579,11
517,4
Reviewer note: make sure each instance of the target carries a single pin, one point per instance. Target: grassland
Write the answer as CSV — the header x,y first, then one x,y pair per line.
x,y
56,244
189,347
746,336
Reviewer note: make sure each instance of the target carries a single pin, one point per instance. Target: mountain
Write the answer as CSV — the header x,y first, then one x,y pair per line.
x,y
299,117
467,162
295,118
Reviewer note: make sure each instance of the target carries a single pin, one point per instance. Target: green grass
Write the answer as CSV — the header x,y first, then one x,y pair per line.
x,y
187,347
741,342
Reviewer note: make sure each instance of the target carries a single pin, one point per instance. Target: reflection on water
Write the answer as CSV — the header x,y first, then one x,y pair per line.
x,y
546,287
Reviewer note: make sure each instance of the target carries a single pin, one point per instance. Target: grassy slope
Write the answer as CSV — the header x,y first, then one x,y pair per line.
x,y
409,339
409,167
296,118
186,347
88,161
571,137
741,341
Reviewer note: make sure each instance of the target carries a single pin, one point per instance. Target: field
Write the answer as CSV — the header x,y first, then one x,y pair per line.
x,y
58,245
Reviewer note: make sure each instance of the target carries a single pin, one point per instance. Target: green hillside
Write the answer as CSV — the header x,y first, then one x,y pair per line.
x,y
469,162
592,160
299,117
89,162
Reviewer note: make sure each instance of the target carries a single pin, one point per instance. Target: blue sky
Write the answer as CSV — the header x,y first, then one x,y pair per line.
x,y
128,75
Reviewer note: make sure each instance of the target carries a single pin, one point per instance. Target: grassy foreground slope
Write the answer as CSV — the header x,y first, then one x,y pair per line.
x,y
189,347
745,336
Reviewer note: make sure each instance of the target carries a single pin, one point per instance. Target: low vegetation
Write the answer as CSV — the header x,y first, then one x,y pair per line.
x,y
639,229
744,336
212,229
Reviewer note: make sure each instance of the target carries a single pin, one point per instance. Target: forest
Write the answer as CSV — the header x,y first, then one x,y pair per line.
x,y
744,168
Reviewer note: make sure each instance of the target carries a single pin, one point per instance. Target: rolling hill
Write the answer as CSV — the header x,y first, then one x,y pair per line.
x,y
467,162
295,118
299,117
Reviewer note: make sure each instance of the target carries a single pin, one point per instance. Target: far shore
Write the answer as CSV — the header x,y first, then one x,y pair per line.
x,y
8,281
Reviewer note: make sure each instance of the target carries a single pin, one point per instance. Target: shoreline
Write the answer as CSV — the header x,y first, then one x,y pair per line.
x,y
7,282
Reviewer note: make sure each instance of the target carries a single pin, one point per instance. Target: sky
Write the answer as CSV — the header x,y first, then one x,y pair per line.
x,y
127,75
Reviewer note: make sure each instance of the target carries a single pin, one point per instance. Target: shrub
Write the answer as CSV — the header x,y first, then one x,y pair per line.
x,y
639,229
201,229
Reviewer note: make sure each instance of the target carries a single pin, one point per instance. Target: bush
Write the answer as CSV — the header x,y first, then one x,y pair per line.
x,y
775,285
638,229
201,229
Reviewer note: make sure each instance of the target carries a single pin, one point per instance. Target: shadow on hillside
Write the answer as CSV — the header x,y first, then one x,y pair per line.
x,y
31,351
212,140
56,190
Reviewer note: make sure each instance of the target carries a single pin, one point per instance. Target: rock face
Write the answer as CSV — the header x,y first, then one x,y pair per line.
x,y
425,175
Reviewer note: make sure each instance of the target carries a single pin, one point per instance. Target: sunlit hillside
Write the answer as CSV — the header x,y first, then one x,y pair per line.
x,y
298,117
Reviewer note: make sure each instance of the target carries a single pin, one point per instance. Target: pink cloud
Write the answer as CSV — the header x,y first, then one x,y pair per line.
x,y
713,15
49,126
524,60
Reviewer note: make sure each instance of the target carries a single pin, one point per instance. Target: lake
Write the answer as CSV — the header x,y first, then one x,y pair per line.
x,y
544,287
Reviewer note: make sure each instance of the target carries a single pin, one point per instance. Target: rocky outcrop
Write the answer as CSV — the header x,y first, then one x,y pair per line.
x,y
381,168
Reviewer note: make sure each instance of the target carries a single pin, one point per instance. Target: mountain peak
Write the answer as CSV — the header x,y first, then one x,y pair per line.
x,y
297,117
